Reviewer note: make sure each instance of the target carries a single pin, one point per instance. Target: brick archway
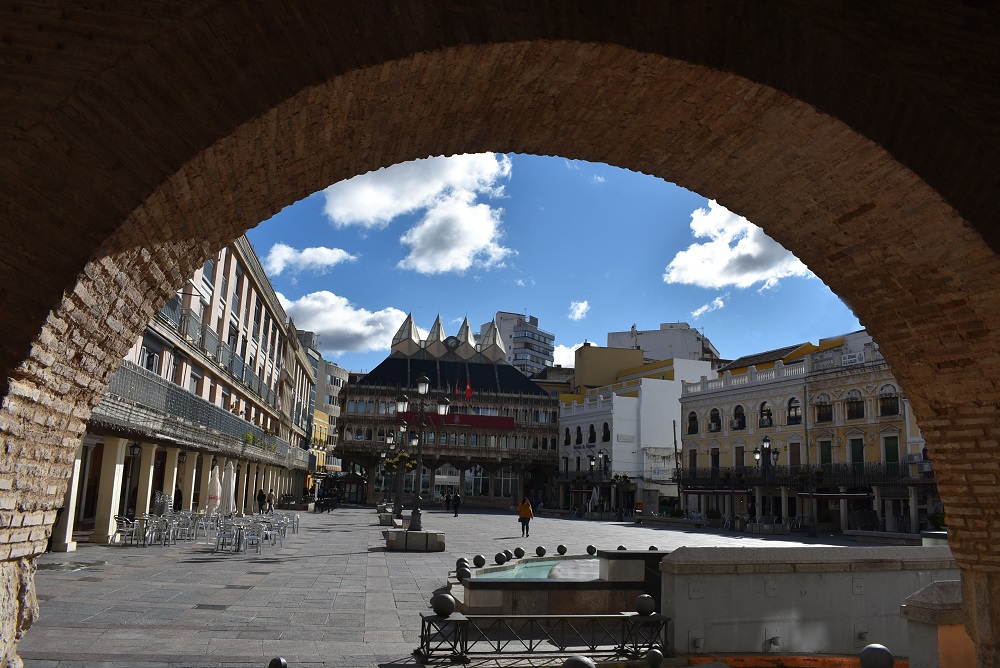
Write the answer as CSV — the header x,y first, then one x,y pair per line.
x,y
121,179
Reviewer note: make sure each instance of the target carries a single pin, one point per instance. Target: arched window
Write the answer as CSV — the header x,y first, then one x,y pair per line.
x,y
739,421
766,419
567,441
692,423
592,435
888,400
606,433
824,409
579,435
855,405
714,420
794,411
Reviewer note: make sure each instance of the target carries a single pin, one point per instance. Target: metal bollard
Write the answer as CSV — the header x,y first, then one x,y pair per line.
x,y
277,662
877,656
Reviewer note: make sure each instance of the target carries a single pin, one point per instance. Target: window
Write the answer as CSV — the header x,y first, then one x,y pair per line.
x,y
855,405
579,435
606,433
567,441
592,435
692,423
794,411
766,419
739,421
888,401
824,409
149,360
714,421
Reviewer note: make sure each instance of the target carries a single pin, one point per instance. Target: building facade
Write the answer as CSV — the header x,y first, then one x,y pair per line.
x,y
330,377
218,376
497,442
845,447
618,441
673,340
529,348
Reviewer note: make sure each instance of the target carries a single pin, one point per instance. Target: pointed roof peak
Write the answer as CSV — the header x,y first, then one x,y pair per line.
x,y
465,333
437,331
407,331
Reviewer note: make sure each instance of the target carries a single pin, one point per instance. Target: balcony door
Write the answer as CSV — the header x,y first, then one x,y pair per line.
x,y
890,446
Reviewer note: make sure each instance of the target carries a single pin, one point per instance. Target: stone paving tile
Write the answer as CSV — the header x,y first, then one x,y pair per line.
x,y
331,596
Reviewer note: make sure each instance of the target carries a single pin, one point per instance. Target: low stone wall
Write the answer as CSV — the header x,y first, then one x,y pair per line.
x,y
810,600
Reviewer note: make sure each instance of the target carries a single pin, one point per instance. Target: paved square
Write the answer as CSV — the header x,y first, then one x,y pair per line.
x,y
332,596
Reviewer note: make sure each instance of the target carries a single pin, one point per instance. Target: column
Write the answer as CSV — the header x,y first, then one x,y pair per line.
x,y
241,485
109,489
187,483
461,484
170,474
88,462
520,486
431,481
758,501
784,503
370,471
206,474
144,479
62,532
879,510
843,510
914,519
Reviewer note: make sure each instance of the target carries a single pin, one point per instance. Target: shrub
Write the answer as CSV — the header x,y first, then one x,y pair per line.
x,y
713,514
676,512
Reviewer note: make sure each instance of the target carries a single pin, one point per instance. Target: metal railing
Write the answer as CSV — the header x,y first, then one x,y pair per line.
x,y
846,474
460,637
139,401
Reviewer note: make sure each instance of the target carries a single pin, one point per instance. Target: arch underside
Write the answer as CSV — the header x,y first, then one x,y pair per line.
x,y
120,188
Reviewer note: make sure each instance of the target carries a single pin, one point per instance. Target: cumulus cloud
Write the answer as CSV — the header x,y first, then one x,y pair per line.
x,y
578,310
714,305
597,179
319,259
565,356
341,326
525,282
737,253
455,230
455,234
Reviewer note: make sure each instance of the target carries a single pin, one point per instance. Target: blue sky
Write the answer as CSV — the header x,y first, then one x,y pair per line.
x,y
587,248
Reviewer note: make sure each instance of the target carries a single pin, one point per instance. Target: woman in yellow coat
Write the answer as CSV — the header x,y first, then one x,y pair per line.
x,y
524,515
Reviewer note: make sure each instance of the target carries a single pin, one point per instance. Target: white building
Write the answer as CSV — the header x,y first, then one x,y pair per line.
x,y
529,348
621,438
673,340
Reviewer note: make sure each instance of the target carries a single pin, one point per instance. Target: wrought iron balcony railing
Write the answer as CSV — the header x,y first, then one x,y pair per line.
x,y
849,475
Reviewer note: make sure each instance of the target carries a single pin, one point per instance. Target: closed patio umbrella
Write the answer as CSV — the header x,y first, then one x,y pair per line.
x,y
227,504
214,491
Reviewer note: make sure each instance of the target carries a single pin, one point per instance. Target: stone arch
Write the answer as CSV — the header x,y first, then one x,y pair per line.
x,y
119,181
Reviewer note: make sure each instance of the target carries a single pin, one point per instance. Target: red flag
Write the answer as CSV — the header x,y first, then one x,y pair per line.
x,y
456,388
468,388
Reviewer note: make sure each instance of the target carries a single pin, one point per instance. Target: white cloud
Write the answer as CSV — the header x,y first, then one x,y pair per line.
x,y
737,253
525,282
455,232
282,256
565,356
597,179
714,305
454,235
578,310
341,326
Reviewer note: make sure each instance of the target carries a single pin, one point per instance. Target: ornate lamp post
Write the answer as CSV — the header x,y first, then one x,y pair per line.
x,y
398,463
402,405
770,458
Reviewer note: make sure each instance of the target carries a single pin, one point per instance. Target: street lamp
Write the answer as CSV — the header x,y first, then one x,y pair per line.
x,y
402,405
399,462
770,458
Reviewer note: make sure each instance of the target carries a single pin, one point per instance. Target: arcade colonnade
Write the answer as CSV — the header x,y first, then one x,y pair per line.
x,y
138,139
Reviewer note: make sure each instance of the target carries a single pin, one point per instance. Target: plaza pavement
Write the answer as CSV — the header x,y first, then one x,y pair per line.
x,y
331,596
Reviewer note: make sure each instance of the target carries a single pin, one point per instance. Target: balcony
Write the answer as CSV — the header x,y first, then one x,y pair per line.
x,y
143,405
190,326
872,474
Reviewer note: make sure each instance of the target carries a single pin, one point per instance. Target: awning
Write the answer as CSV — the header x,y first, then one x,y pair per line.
x,y
836,496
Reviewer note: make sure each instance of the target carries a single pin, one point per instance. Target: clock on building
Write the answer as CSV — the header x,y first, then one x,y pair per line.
x,y
451,342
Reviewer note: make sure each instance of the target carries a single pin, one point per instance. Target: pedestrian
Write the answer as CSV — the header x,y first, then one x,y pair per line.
x,y
447,501
524,515
456,501
178,501
270,501
261,500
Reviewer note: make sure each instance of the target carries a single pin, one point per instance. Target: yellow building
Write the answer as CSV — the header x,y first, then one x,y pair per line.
x,y
825,421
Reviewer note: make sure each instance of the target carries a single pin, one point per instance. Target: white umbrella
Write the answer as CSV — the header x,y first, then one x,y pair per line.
x,y
227,504
214,490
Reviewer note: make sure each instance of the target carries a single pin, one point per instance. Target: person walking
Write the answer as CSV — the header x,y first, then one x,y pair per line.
x,y
270,501
261,500
456,501
524,515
